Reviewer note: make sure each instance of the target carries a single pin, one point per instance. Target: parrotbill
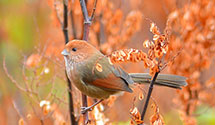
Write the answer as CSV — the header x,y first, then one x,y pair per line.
x,y
81,59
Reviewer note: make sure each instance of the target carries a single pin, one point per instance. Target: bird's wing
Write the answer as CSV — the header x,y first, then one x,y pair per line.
x,y
109,77
112,82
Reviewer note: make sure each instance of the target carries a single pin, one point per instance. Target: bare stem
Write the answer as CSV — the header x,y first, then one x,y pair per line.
x,y
11,78
87,23
94,10
65,20
66,36
85,12
149,95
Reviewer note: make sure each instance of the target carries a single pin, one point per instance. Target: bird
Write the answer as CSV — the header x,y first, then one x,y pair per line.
x,y
81,59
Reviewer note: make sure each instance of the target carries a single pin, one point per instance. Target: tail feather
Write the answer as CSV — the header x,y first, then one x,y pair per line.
x,y
173,81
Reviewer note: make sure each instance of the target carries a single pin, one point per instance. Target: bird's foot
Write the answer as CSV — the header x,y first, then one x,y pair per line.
x,y
85,109
87,121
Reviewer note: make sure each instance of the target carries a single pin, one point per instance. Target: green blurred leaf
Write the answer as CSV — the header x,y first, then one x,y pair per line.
x,y
20,31
206,115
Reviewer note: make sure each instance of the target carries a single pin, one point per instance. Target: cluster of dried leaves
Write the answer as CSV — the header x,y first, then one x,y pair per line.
x,y
155,119
109,32
109,27
193,28
156,49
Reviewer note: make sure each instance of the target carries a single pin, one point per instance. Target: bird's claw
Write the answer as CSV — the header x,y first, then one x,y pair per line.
x,y
87,122
85,109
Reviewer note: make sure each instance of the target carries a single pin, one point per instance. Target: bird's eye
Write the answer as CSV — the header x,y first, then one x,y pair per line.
x,y
74,49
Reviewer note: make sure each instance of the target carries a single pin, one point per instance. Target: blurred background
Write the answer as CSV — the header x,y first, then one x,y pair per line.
x,y
31,40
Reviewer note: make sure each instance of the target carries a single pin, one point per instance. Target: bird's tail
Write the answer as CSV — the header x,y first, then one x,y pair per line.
x,y
168,80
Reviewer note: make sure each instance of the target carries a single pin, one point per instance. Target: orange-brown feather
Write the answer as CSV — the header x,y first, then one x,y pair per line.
x,y
112,82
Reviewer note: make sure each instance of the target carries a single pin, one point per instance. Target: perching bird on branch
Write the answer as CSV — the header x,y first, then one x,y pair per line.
x,y
94,75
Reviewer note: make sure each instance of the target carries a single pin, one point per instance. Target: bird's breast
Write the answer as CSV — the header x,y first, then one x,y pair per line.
x,y
76,76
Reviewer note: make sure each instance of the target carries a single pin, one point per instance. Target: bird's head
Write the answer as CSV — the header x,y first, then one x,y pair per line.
x,y
77,51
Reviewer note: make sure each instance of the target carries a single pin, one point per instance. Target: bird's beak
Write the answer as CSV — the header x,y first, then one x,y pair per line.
x,y
65,52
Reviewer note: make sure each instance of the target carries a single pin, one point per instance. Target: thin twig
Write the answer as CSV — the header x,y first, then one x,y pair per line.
x,y
71,105
170,60
85,12
18,111
66,36
85,37
65,20
85,104
87,23
24,75
94,10
87,20
52,86
11,78
149,95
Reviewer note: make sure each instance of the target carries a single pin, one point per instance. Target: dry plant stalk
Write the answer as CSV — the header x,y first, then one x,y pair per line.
x,y
34,69
156,49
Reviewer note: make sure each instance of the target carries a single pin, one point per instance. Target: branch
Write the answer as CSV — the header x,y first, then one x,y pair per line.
x,y
65,21
66,36
71,106
149,94
11,78
85,13
87,23
18,110
94,10
87,19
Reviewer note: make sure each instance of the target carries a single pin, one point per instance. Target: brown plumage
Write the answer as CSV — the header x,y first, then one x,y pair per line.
x,y
81,59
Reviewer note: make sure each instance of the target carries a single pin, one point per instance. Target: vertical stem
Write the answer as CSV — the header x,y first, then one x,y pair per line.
x,y
66,36
71,107
65,21
85,37
84,104
86,31
84,11
149,95
87,23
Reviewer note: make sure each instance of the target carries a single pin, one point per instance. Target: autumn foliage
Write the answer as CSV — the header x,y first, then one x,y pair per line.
x,y
183,44
195,23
